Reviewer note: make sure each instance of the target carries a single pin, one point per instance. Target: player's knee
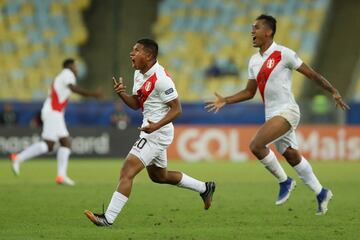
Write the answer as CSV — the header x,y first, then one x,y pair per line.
x,y
126,176
65,142
66,145
158,179
292,156
50,147
255,147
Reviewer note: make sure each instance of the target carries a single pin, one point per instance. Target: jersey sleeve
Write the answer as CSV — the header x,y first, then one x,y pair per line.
x,y
166,89
292,59
69,78
251,74
134,89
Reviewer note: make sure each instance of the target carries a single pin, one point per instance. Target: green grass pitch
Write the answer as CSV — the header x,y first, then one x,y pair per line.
x,y
34,207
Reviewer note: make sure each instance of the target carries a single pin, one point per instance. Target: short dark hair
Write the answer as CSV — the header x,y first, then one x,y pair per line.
x,y
150,45
270,21
67,62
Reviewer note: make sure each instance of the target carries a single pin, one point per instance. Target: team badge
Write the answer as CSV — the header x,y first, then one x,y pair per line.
x,y
148,86
270,63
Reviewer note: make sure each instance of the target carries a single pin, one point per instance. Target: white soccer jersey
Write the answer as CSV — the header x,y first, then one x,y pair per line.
x,y
60,91
272,71
52,112
154,89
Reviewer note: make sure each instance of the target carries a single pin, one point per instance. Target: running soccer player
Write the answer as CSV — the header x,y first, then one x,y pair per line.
x,y
270,70
155,94
54,127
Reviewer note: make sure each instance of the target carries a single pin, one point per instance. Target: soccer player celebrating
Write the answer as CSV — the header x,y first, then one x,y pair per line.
x,y
155,94
270,71
54,127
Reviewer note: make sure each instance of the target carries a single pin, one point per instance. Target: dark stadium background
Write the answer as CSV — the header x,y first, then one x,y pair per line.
x,y
194,36
100,35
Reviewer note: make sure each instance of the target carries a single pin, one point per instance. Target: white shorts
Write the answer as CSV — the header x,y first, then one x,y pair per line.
x,y
285,141
54,126
292,115
151,148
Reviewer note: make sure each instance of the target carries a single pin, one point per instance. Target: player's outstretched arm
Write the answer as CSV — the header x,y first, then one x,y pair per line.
x,y
86,93
174,112
325,84
130,100
217,104
220,101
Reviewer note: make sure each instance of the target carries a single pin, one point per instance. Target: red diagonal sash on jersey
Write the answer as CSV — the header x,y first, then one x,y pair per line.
x,y
55,102
265,71
145,90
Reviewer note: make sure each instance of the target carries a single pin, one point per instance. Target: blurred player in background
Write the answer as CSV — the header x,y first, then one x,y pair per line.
x,y
155,94
119,118
8,116
270,70
54,127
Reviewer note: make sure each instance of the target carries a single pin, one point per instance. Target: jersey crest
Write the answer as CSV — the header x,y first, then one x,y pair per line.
x,y
148,86
146,89
266,69
270,63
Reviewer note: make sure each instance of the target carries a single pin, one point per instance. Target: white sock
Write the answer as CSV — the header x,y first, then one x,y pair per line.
x,y
117,202
33,150
63,154
191,183
306,173
273,165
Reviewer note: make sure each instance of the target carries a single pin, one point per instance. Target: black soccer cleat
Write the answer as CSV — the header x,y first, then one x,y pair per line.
x,y
98,219
207,195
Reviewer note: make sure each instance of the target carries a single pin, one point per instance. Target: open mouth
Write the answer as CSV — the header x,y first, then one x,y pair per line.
x,y
254,40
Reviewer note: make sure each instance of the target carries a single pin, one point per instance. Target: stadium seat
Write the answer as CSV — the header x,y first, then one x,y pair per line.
x,y
204,30
35,37
356,93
